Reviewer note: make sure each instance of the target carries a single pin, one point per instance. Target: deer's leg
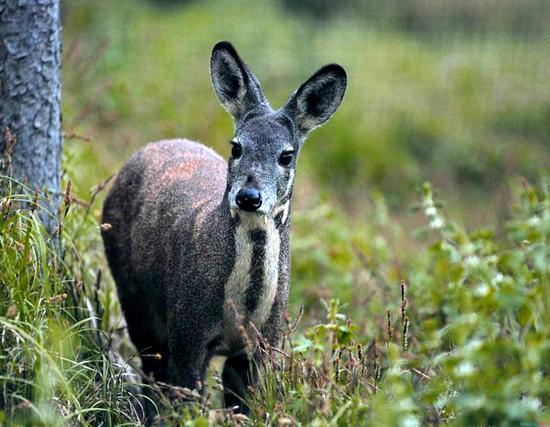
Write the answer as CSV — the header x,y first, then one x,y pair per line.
x,y
239,373
273,327
188,359
146,332
191,330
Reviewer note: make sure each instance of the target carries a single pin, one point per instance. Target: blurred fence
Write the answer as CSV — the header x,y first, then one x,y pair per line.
x,y
453,92
521,17
513,16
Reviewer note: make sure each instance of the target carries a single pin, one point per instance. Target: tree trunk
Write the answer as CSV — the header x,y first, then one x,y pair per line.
x,y
30,95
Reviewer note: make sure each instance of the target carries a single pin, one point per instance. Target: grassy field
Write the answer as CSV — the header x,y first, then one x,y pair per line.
x,y
462,339
408,308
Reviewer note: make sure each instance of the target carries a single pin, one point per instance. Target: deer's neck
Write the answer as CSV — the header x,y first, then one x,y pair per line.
x,y
252,285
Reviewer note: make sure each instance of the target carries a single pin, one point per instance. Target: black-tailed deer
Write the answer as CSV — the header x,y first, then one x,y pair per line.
x,y
199,248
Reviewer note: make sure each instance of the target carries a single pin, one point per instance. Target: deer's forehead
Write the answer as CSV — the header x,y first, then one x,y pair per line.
x,y
267,132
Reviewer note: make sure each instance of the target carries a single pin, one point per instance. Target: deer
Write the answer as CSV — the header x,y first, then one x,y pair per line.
x,y
199,246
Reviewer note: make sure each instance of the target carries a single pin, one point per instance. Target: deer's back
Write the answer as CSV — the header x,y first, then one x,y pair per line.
x,y
165,192
177,168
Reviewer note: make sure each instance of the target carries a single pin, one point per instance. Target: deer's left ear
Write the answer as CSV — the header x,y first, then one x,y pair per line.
x,y
318,98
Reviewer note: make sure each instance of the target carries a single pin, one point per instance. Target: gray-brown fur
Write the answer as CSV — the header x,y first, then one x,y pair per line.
x,y
198,247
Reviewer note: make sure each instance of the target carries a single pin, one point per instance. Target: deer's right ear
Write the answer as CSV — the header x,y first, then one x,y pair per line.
x,y
236,87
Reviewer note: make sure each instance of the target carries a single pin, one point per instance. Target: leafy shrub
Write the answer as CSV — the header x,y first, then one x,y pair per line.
x,y
463,339
466,343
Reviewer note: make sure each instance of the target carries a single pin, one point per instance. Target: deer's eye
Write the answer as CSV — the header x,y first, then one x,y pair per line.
x,y
236,149
286,157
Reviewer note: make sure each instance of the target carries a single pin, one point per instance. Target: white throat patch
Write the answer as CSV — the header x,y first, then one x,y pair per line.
x,y
239,281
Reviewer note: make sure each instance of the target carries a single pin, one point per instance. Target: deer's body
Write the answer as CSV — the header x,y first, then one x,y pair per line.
x,y
199,248
155,258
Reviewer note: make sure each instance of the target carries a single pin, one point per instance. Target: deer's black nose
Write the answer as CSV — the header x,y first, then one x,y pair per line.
x,y
249,199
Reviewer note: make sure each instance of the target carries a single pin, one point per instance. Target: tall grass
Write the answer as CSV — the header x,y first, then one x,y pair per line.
x,y
461,339
56,365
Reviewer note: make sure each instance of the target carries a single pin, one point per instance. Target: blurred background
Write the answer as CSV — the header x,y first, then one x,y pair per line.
x,y
455,93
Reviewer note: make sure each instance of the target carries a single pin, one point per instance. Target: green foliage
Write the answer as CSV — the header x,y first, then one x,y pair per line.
x,y
55,368
464,339
467,342
483,315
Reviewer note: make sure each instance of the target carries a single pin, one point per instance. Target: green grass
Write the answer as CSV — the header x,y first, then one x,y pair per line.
x,y
56,364
463,339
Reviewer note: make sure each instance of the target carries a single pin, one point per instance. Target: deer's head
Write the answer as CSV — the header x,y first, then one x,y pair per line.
x,y
266,142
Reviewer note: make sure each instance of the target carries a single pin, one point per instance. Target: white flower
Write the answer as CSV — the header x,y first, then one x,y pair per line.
x,y
431,211
499,278
532,403
492,259
472,261
406,404
473,345
410,421
436,223
469,248
482,290
464,369
534,221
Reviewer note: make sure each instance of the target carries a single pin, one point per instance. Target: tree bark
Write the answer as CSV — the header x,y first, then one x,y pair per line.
x,y
30,96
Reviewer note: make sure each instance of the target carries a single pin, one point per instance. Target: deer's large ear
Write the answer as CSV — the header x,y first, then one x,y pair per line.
x,y
236,87
318,98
